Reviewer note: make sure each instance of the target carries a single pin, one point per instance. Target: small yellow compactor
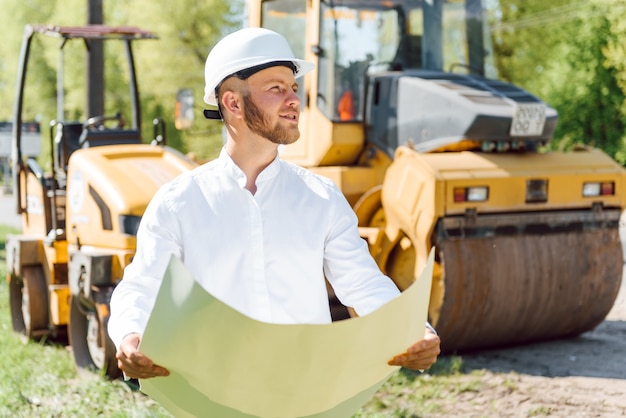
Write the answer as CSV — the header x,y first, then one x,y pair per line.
x,y
404,112
80,218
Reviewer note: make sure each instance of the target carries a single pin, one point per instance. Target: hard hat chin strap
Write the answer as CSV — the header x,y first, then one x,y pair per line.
x,y
212,114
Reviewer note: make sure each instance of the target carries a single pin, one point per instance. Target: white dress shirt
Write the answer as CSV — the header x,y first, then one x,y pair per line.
x,y
265,255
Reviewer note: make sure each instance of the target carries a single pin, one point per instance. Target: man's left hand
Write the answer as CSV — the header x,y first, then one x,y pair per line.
x,y
421,355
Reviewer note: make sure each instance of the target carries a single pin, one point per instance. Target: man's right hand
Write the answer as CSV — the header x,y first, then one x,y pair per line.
x,y
135,364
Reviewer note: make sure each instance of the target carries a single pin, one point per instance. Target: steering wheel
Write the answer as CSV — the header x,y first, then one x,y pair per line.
x,y
98,122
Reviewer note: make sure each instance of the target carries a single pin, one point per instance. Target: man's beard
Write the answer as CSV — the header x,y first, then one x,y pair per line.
x,y
258,123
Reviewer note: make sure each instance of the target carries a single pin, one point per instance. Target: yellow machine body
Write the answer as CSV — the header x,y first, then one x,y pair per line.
x,y
80,217
527,244
508,271
106,186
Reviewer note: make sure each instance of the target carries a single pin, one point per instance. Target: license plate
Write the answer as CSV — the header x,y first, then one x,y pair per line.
x,y
529,119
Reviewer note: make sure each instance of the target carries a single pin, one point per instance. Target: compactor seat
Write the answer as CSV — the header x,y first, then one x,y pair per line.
x,y
102,137
73,136
67,143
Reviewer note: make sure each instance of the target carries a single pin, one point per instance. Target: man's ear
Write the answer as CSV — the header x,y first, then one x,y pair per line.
x,y
231,103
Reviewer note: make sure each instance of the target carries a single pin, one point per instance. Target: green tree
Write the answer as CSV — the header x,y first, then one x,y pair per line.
x,y
14,17
589,98
615,52
187,29
525,40
562,52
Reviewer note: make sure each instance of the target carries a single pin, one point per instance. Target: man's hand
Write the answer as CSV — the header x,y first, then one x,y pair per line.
x,y
135,364
421,355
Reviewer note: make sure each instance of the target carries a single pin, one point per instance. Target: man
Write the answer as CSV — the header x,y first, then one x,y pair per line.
x,y
258,233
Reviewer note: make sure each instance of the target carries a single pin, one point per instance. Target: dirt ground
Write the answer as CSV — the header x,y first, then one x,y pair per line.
x,y
579,377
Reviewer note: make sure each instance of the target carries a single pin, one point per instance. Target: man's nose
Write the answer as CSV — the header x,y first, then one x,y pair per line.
x,y
293,99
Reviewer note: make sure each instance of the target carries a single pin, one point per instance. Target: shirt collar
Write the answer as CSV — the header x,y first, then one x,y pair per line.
x,y
233,169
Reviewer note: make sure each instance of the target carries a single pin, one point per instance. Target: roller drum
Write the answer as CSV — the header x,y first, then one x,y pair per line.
x,y
527,285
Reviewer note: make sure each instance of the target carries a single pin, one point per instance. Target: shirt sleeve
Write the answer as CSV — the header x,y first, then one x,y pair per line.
x,y
133,298
348,264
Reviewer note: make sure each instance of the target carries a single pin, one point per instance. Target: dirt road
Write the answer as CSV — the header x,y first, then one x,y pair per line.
x,y
579,377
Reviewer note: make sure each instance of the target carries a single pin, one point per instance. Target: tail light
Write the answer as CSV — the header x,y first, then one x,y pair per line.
x,y
471,194
592,189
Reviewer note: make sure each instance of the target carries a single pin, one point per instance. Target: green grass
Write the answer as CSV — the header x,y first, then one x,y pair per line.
x,y
40,380
410,394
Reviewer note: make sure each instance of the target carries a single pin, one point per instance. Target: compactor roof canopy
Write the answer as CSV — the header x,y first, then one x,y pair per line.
x,y
92,32
86,33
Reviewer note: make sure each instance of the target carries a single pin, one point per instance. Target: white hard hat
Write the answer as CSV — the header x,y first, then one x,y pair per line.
x,y
247,48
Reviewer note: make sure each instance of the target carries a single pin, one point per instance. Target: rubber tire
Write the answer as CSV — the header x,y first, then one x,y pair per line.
x,y
29,303
93,349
